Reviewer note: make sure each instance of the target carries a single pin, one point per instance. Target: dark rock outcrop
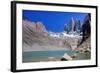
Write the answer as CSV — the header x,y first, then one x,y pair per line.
x,y
86,28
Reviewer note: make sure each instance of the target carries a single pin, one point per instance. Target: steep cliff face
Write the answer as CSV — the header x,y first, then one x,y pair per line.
x,y
85,43
86,28
72,23
32,32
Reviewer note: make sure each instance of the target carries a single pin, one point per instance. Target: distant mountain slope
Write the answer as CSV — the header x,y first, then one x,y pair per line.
x,y
32,32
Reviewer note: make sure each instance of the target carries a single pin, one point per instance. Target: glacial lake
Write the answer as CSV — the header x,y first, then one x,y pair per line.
x,y
39,56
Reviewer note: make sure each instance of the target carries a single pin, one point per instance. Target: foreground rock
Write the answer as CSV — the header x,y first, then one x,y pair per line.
x,y
67,57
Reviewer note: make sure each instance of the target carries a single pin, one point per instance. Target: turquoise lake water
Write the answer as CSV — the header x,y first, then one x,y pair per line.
x,y
36,56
